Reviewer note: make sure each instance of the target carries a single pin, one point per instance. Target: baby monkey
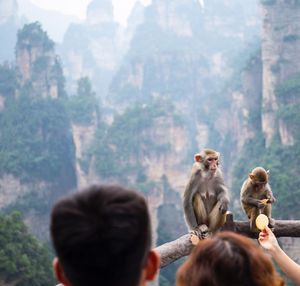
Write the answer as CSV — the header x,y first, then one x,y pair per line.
x,y
257,197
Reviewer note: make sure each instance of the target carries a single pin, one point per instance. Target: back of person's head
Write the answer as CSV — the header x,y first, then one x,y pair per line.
x,y
102,236
228,259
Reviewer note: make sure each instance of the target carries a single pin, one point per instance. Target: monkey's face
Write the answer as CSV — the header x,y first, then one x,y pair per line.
x,y
212,163
259,185
259,177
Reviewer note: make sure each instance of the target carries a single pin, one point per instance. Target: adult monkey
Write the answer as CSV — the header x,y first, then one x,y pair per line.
x,y
205,198
257,197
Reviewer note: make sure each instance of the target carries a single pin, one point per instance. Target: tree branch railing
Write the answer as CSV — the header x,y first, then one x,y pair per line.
x,y
171,251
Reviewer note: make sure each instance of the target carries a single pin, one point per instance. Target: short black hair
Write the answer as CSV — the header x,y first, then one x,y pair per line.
x,y
102,235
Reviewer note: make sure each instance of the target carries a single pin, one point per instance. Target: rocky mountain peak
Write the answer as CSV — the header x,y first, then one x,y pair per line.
x,y
280,50
37,65
173,15
100,11
136,16
8,9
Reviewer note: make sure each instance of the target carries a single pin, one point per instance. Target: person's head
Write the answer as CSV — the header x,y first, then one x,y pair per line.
x,y
228,259
102,236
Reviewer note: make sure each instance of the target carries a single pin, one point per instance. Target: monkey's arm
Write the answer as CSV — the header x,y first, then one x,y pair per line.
x,y
189,213
248,200
222,196
188,208
269,194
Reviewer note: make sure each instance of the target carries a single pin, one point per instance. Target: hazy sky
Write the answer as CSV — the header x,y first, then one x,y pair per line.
x,y
122,8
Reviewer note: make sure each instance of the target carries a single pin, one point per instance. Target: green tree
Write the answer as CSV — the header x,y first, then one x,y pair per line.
x,y
33,35
120,149
7,81
83,106
35,139
24,261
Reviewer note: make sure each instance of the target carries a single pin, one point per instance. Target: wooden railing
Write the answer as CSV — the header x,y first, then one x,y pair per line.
x,y
171,251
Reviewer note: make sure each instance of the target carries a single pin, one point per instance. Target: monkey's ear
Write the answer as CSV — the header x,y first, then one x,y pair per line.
x,y
251,176
198,157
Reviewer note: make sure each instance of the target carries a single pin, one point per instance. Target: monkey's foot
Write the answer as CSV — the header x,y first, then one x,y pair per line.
x,y
201,231
203,228
271,223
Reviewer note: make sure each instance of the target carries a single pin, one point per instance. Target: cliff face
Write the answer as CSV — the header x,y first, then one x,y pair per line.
x,y
37,160
15,194
37,65
83,136
169,16
246,101
11,189
172,162
280,56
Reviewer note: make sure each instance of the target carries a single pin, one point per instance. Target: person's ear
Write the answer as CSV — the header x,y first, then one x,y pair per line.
x,y
59,273
152,266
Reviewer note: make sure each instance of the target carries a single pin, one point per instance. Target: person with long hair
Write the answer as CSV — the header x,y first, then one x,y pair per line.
x,y
228,259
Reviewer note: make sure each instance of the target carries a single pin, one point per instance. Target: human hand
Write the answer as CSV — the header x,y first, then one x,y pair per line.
x,y
267,239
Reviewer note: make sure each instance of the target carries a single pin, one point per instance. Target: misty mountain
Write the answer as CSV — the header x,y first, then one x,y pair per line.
x,y
95,48
54,22
15,13
9,24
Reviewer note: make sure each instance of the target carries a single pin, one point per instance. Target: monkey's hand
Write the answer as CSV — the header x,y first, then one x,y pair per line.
x,y
265,201
271,200
223,207
260,205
